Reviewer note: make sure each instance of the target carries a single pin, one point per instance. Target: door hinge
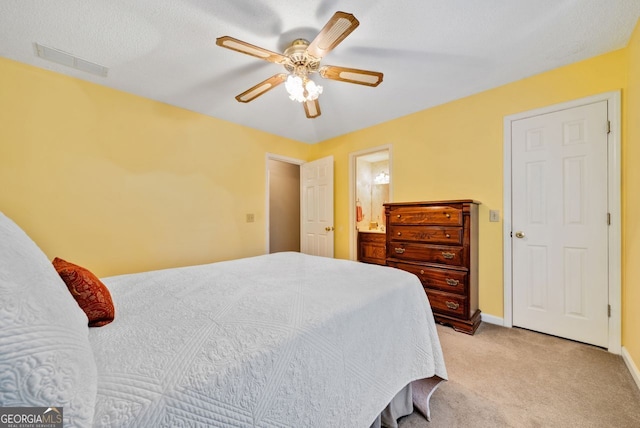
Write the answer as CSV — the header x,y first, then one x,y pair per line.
x,y
608,127
608,219
609,311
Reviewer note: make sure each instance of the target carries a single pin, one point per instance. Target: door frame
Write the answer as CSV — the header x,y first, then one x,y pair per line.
x,y
614,208
268,157
353,157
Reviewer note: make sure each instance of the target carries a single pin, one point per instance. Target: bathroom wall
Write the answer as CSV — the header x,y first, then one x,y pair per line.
x,y
363,192
371,195
379,193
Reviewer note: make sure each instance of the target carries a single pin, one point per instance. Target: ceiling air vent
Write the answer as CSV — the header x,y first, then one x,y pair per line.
x,y
60,57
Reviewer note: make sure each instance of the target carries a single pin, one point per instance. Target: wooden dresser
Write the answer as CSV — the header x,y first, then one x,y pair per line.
x,y
371,247
438,242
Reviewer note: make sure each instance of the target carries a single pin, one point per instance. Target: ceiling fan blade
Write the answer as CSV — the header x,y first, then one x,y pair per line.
x,y
262,87
351,75
312,109
249,49
339,26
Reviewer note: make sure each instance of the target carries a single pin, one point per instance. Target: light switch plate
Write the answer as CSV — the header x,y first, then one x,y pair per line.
x,y
494,215
251,218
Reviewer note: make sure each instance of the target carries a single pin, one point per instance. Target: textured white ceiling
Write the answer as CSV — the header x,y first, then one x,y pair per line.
x,y
430,51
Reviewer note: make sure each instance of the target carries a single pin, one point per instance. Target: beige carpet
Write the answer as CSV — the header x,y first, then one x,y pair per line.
x,y
504,377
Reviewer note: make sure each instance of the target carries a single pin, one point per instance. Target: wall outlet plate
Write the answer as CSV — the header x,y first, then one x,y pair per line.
x,y
251,218
494,215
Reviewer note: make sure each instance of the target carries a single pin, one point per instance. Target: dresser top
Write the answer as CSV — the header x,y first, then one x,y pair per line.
x,y
453,201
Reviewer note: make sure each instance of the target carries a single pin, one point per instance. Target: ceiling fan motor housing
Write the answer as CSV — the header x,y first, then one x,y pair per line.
x,y
298,60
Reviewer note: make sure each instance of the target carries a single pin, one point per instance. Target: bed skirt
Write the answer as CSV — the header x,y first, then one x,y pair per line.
x,y
416,393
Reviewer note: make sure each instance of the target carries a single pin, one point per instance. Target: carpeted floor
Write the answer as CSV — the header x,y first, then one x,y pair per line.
x,y
504,377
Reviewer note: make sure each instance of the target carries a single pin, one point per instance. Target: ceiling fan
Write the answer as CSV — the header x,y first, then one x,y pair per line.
x,y
300,60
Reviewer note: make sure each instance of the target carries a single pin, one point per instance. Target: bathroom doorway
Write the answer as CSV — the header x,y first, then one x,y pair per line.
x,y
370,187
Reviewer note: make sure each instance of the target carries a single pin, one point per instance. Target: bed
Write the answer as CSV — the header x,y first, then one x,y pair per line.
x,y
280,340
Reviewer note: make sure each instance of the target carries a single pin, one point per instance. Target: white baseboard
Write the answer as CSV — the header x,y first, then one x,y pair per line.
x,y
635,373
491,319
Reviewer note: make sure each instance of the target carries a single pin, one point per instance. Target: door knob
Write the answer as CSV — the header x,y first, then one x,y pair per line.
x,y
328,229
520,234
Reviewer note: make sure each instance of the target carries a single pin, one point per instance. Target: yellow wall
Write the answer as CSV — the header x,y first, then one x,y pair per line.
x,y
455,151
631,207
119,183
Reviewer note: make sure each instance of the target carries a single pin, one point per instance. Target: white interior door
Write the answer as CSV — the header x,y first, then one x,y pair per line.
x,y
559,222
316,235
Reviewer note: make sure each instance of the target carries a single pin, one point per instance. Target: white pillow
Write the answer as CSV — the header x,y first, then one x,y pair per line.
x,y
45,356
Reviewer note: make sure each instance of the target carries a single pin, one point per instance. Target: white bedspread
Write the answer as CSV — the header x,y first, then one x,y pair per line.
x,y
283,340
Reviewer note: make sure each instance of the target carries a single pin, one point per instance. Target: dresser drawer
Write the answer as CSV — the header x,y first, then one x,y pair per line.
x,y
446,303
452,281
426,253
428,234
444,215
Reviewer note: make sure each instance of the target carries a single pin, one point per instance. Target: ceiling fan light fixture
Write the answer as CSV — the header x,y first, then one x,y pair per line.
x,y
300,60
302,89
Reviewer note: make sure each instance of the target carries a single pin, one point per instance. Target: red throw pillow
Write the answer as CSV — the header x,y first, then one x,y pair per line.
x,y
90,293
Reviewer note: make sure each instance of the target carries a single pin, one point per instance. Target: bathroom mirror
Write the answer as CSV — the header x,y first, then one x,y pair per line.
x,y
372,190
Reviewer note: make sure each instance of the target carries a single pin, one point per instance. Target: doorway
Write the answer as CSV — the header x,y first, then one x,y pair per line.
x,y
370,179
562,220
283,204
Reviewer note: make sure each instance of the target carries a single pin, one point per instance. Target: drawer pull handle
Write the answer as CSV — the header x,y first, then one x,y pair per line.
x,y
399,233
447,235
452,282
452,305
447,255
447,215
399,250
421,271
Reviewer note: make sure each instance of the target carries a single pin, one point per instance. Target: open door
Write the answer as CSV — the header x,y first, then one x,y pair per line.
x,y
316,196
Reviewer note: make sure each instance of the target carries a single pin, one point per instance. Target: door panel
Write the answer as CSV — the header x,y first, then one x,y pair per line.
x,y
317,203
559,197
